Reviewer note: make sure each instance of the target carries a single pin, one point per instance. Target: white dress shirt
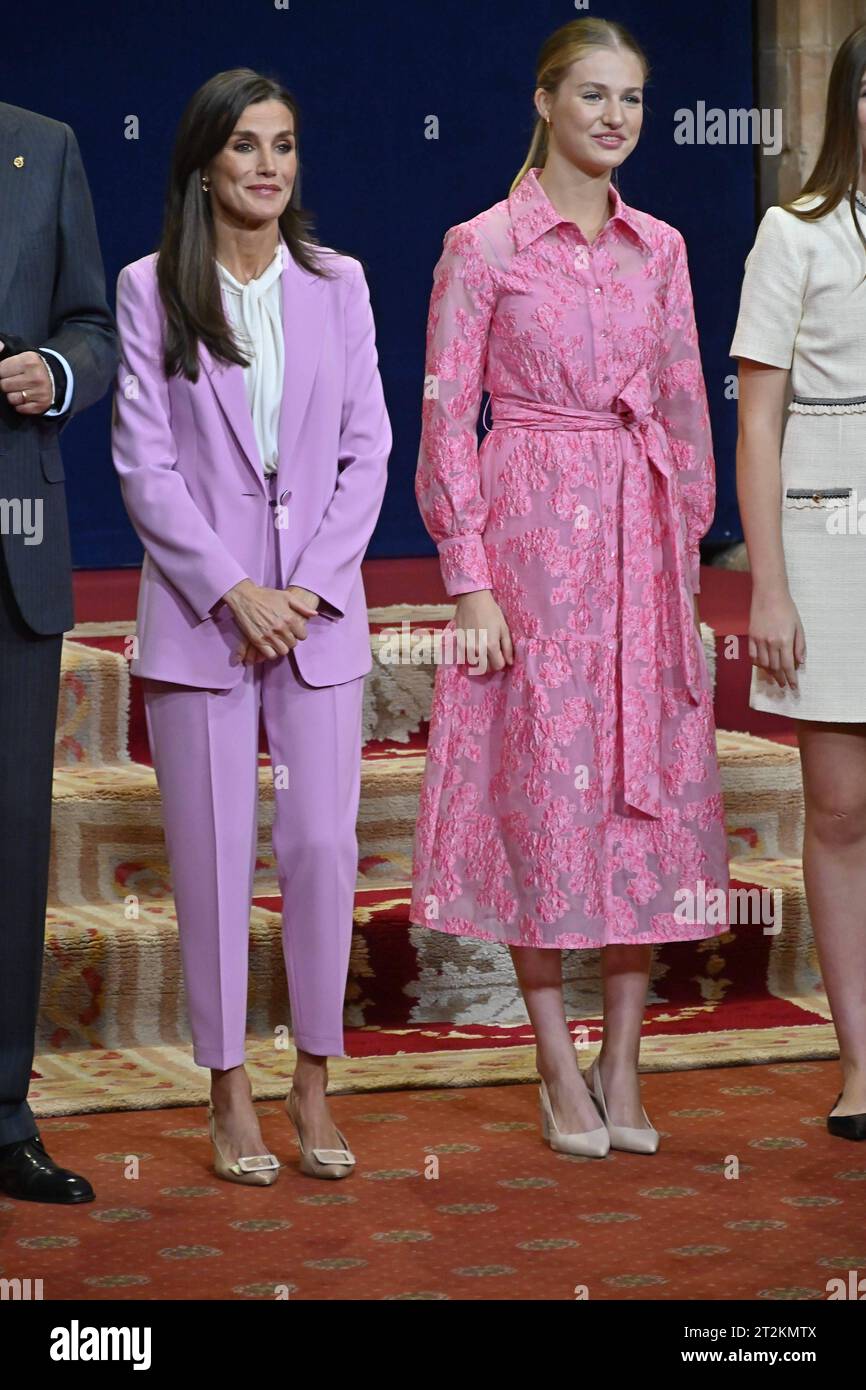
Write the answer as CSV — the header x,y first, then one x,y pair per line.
x,y
67,399
256,314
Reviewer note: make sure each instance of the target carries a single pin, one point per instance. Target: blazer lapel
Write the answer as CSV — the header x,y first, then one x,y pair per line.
x,y
227,380
305,306
13,182
304,309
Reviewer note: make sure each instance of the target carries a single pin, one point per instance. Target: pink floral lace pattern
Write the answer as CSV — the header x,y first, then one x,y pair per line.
x,y
570,798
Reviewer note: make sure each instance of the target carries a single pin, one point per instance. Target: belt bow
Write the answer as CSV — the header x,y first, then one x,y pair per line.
x,y
640,694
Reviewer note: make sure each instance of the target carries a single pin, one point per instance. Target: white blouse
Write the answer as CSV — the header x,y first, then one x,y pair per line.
x,y
256,314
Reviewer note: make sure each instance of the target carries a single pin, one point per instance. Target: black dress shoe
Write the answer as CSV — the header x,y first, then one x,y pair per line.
x,y
28,1173
847,1126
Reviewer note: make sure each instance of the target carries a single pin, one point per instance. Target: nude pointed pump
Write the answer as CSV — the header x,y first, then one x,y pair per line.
x,y
256,1170
590,1143
631,1140
321,1163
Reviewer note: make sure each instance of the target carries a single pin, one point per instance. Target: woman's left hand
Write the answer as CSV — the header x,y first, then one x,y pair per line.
x,y
249,654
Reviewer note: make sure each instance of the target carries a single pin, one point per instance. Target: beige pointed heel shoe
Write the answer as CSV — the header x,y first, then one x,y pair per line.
x,y
257,1170
629,1139
321,1163
590,1143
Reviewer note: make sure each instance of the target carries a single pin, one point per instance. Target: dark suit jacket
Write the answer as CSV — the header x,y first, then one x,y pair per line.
x,y
52,294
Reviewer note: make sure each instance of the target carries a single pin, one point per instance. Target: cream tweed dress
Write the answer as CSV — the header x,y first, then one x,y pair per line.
x,y
803,306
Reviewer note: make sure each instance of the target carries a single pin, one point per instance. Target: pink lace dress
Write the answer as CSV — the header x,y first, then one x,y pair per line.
x,y
573,798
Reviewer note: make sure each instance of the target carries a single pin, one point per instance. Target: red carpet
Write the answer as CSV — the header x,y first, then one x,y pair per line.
x,y
457,1197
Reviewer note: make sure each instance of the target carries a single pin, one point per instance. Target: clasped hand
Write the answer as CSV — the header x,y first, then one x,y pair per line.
x,y
272,621
26,383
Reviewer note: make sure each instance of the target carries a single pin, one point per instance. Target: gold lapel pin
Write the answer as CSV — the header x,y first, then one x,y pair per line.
x,y
18,161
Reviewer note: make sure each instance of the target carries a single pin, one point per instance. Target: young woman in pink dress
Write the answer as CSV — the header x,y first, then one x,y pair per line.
x,y
571,795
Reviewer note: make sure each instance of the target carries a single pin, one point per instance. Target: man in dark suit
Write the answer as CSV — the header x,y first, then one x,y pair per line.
x,y
57,355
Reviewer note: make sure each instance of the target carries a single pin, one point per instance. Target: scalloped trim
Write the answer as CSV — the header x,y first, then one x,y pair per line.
x,y
798,408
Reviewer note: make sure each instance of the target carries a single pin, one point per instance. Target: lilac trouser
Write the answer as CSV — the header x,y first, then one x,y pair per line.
x,y
204,745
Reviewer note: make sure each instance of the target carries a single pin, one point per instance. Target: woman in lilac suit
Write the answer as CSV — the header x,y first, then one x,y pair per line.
x,y
251,439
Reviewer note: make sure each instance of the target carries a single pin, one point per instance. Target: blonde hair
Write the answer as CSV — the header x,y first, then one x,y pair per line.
x,y
564,47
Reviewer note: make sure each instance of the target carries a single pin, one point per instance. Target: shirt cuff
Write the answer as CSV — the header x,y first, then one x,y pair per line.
x,y
67,400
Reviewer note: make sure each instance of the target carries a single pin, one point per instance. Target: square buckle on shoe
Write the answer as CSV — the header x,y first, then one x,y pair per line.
x,y
257,1163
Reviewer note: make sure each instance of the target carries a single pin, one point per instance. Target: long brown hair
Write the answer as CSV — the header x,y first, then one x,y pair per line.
x,y
574,40
186,274
840,160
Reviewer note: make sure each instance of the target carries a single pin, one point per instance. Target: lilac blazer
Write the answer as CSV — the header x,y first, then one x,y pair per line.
x,y
193,482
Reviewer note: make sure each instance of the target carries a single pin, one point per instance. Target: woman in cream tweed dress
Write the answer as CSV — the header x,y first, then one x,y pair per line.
x,y
802,326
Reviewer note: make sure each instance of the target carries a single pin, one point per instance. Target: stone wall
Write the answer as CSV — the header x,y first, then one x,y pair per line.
x,y
796,41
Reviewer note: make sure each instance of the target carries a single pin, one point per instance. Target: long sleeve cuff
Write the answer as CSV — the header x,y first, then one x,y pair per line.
x,y
463,562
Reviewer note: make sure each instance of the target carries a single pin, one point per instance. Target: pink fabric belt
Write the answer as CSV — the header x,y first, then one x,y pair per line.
x,y
640,670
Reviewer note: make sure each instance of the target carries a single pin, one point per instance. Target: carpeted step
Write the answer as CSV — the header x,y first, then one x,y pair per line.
x,y
93,707
94,1079
763,790
112,976
107,839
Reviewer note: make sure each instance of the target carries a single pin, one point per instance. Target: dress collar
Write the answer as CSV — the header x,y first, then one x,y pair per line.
x,y
533,214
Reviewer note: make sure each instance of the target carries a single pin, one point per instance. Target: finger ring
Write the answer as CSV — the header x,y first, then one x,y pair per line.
x,y
23,396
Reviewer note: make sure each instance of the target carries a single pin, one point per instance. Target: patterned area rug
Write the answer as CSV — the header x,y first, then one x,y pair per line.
x,y
457,1197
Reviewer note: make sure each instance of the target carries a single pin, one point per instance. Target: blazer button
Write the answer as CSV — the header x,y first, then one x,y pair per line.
x,y
284,495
